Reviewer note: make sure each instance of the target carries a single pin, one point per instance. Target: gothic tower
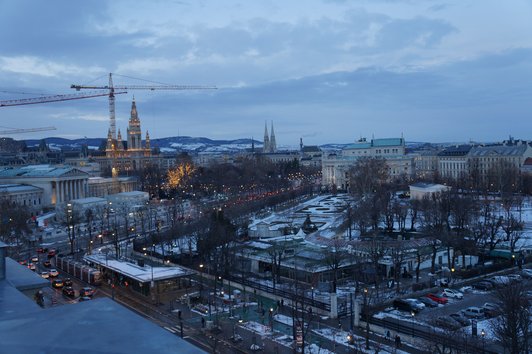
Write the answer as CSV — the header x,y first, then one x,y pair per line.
x,y
266,148
147,148
273,144
134,137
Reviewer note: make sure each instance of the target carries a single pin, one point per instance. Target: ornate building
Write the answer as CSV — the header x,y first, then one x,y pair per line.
x,y
133,155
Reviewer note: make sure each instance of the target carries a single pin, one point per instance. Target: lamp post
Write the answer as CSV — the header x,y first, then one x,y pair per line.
x,y
271,318
413,315
201,276
483,335
452,275
366,316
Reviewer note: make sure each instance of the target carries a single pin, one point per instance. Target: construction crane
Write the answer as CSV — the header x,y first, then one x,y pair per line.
x,y
27,130
55,98
111,88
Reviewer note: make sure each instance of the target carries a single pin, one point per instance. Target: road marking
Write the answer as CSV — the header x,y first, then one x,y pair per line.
x,y
170,329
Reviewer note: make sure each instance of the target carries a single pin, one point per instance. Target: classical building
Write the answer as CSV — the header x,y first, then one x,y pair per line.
x,y
59,184
101,187
23,195
336,165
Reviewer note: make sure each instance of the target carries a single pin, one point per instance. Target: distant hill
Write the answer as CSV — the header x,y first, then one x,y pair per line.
x,y
188,144
180,143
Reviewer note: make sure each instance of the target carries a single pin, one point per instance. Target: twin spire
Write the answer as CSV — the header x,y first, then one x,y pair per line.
x,y
270,146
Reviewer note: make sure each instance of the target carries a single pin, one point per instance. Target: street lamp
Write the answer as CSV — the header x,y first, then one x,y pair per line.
x,y
413,315
452,275
201,276
483,335
366,316
271,318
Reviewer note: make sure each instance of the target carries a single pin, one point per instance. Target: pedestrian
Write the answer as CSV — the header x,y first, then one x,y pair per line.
x,y
282,303
397,341
179,314
388,335
202,322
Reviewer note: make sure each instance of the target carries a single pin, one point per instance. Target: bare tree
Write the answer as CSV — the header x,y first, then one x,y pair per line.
x,y
335,257
512,328
70,216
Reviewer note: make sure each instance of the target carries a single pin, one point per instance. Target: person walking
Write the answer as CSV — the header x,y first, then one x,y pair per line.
x,y
397,341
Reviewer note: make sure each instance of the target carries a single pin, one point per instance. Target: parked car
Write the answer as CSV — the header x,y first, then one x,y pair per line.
x,y
448,322
35,259
416,303
45,275
57,283
428,302
526,273
438,298
490,309
67,282
461,318
53,272
31,266
404,305
515,278
452,293
69,291
499,281
474,312
483,285
86,291
47,264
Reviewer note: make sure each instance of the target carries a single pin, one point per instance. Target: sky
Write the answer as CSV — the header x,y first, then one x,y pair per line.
x,y
327,71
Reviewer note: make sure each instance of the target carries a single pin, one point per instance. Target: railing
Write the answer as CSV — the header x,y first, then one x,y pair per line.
x,y
283,293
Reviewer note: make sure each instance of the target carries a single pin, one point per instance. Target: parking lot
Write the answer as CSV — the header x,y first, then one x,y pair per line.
x,y
471,298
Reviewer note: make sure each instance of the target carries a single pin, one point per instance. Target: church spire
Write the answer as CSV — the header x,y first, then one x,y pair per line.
x,y
273,144
266,147
119,144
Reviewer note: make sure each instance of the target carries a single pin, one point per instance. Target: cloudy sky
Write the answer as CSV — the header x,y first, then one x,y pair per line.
x,y
324,70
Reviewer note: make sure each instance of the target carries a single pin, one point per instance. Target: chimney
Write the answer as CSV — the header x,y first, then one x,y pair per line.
x,y
3,251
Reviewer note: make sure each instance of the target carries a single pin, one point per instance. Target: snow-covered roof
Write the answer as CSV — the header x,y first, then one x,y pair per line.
x,y
134,271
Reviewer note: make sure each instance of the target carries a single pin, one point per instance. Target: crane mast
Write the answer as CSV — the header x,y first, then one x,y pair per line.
x,y
111,92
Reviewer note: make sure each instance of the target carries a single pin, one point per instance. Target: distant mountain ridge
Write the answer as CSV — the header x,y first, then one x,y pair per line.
x,y
183,143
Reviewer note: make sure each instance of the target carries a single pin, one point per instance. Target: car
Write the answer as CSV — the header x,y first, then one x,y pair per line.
x,y
42,250
428,302
448,322
483,285
461,318
32,266
515,278
67,282
403,305
442,282
86,291
51,253
416,303
23,262
84,298
526,273
438,298
35,259
53,272
57,283
490,309
452,293
499,281
474,312
69,291
45,275
47,264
